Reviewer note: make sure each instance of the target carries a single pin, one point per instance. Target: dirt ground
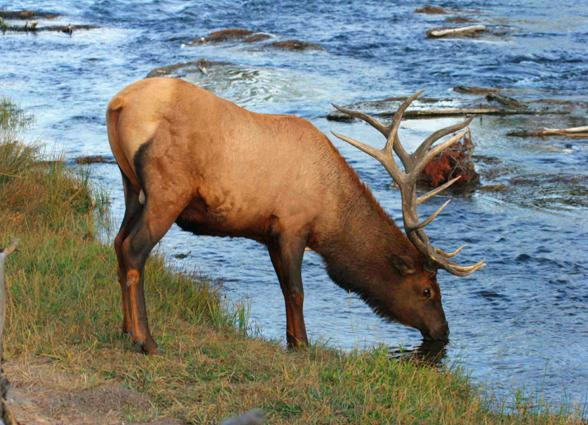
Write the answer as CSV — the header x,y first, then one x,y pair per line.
x,y
42,395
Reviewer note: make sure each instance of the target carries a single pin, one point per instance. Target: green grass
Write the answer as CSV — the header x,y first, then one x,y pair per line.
x,y
65,309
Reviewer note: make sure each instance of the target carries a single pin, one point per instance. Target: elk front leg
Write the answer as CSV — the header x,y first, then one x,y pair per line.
x,y
286,255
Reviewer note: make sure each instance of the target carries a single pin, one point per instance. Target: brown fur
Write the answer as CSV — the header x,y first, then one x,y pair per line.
x,y
218,169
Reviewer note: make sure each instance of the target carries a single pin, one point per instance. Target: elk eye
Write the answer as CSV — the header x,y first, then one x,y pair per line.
x,y
427,293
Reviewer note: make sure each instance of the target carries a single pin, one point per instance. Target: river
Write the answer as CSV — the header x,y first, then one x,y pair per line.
x,y
520,323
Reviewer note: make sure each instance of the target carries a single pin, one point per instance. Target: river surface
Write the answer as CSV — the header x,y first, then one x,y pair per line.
x,y
520,323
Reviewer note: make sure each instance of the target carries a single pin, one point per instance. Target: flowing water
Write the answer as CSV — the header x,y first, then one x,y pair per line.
x,y
519,323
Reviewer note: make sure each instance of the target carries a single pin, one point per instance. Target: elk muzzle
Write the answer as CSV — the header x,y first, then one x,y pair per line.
x,y
436,333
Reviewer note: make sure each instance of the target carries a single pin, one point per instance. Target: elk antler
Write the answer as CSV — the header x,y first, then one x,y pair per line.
x,y
407,179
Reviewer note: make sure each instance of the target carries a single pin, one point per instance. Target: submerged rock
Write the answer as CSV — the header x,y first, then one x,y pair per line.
x,y
183,68
254,38
221,36
231,34
295,45
244,35
431,10
27,14
94,159
459,20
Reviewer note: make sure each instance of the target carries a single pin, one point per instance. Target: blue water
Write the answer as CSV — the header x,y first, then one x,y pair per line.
x,y
518,323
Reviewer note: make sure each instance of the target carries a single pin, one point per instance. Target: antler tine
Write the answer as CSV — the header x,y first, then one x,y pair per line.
x,y
457,270
371,151
424,147
420,163
386,160
413,165
436,191
432,217
384,129
392,142
449,254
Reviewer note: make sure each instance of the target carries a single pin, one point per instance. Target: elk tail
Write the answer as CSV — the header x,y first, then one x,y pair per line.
x,y
115,108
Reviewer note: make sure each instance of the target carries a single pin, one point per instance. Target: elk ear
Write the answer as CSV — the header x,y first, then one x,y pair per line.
x,y
403,264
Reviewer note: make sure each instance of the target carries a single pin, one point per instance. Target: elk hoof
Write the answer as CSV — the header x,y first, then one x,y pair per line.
x,y
147,347
295,344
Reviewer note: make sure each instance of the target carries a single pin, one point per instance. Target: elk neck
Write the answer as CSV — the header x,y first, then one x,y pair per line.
x,y
358,240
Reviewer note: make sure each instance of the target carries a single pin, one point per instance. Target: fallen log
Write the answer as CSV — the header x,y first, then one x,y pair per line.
x,y
573,132
468,31
451,112
420,100
448,112
504,100
33,27
475,90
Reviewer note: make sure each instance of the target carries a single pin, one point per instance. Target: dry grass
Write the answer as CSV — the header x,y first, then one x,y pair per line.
x,y
65,313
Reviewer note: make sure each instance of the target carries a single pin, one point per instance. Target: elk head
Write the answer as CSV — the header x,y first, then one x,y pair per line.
x,y
416,298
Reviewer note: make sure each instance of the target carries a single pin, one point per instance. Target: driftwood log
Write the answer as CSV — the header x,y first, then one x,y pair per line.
x,y
475,90
509,102
468,31
34,28
574,132
6,417
447,112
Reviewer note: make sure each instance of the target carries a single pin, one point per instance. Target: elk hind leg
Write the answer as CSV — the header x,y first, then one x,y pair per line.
x,y
132,212
154,221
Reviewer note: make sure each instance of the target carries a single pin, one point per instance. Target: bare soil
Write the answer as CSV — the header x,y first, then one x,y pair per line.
x,y
41,394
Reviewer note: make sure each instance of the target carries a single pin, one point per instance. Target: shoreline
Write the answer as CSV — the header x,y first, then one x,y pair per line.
x,y
67,357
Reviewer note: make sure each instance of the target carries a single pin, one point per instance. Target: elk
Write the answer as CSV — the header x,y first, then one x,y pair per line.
x,y
214,168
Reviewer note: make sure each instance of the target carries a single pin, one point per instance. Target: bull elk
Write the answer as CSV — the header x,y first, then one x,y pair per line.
x,y
214,168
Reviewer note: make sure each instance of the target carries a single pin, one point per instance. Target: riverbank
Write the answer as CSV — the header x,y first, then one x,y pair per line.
x,y
69,363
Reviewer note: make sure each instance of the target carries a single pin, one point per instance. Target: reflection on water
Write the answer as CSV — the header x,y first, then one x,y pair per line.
x,y
430,353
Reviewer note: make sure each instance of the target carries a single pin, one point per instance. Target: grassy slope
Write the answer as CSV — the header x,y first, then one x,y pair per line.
x,y
65,309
